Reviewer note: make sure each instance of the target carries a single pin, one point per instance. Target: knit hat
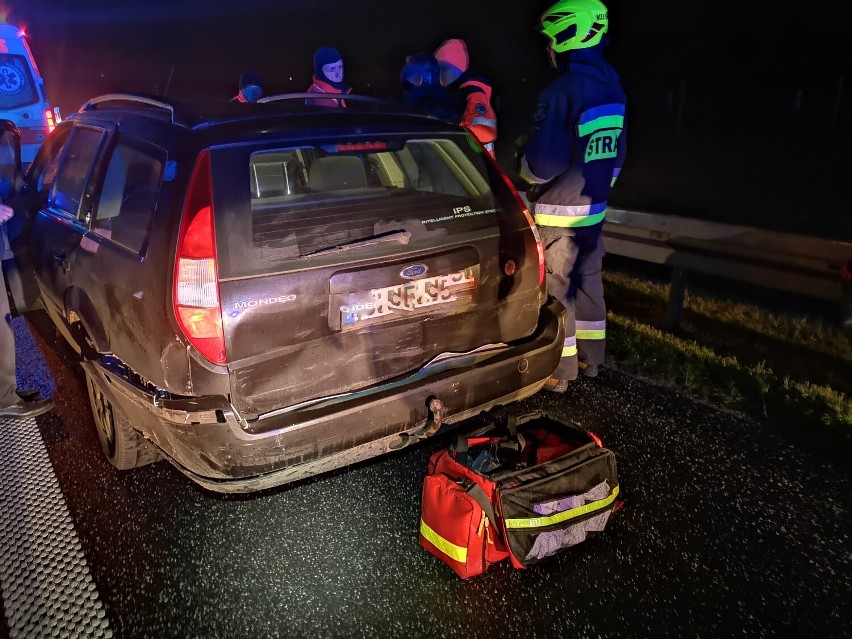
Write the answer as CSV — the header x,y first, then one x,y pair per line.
x,y
453,59
421,69
322,57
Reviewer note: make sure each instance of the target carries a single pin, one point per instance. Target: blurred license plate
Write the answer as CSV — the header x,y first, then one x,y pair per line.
x,y
411,298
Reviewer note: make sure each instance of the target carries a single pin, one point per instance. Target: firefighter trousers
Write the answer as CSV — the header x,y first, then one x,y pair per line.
x,y
574,260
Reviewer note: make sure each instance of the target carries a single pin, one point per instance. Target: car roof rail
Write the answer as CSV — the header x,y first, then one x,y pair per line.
x,y
354,97
127,99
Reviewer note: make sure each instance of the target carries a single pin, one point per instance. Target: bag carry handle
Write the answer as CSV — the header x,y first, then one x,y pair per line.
x,y
500,419
479,496
463,443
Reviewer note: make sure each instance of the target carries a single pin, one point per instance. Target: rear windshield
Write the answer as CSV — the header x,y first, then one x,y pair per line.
x,y
17,88
294,203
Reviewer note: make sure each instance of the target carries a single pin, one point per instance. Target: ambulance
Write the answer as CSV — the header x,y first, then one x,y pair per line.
x,y
23,97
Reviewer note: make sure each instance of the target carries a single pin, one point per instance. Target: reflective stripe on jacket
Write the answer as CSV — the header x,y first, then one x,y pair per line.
x,y
320,86
569,216
479,116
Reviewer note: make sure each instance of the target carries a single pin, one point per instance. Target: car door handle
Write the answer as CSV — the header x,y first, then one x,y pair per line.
x,y
61,259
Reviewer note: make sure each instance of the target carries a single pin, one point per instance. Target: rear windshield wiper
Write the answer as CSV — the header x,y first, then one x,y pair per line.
x,y
400,235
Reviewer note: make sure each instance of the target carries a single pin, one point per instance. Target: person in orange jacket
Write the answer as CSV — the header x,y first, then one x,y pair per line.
x,y
479,116
251,88
328,77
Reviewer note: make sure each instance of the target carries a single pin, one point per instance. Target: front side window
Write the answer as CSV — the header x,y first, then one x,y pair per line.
x,y
42,172
74,170
129,195
17,88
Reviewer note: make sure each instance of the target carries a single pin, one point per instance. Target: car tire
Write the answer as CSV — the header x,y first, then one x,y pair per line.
x,y
122,445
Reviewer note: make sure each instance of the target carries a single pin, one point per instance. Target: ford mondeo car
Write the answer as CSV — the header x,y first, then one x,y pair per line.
x,y
264,292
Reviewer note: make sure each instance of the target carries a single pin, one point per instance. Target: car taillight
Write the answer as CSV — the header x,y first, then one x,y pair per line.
x,y
362,146
51,123
196,283
539,245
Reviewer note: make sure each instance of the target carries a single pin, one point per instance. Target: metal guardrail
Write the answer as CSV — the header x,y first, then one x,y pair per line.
x,y
797,264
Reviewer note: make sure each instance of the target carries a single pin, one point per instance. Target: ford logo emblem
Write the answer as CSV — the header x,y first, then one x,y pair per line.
x,y
415,270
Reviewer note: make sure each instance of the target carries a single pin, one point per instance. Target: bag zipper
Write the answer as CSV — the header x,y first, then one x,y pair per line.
x,y
604,453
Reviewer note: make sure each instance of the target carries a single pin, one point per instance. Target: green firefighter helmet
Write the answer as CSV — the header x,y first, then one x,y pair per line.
x,y
574,24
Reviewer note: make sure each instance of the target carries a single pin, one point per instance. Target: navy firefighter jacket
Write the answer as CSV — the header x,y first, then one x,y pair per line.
x,y
577,145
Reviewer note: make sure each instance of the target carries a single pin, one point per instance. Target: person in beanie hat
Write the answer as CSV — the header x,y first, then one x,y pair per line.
x,y
251,87
328,77
423,92
479,116
571,159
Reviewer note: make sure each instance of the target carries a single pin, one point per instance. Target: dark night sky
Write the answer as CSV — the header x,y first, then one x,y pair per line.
x,y
767,105
118,45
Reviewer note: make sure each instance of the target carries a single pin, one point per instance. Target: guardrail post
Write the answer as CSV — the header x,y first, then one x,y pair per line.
x,y
846,300
835,109
676,295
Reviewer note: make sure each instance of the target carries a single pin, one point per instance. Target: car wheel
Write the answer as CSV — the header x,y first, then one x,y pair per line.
x,y
123,446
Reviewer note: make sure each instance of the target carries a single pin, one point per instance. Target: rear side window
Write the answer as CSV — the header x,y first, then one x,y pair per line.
x,y
306,199
74,170
129,195
17,88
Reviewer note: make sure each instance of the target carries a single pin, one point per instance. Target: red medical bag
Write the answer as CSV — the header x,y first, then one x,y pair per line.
x,y
524,487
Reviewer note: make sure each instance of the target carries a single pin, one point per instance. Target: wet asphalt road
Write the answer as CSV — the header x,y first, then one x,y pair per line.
x,y
728,529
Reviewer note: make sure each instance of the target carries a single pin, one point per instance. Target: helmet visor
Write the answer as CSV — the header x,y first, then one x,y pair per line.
x,y
559,36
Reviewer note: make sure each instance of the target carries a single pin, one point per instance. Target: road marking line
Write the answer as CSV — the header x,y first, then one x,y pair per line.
x,y
47,587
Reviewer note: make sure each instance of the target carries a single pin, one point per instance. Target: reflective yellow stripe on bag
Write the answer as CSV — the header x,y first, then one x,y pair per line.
x,y
457,553
558,518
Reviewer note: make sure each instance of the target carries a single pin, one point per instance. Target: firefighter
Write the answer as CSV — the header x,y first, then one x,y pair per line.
x,y
571,159
251,88
328,77
479,116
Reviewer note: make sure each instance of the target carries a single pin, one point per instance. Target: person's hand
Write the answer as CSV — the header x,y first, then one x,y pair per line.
x,y
6,213
520,143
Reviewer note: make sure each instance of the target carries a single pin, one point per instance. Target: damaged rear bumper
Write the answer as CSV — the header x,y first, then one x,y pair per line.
x,y
208,441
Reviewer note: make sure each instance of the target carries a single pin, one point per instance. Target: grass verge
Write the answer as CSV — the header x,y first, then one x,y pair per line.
x,y
778,369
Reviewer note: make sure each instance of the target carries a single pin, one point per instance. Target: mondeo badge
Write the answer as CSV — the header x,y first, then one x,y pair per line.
x,y
413,271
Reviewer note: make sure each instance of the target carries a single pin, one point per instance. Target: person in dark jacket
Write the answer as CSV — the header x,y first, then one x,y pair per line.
x,y
423,91
251,87
479,116
328,77
572,159
13,403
